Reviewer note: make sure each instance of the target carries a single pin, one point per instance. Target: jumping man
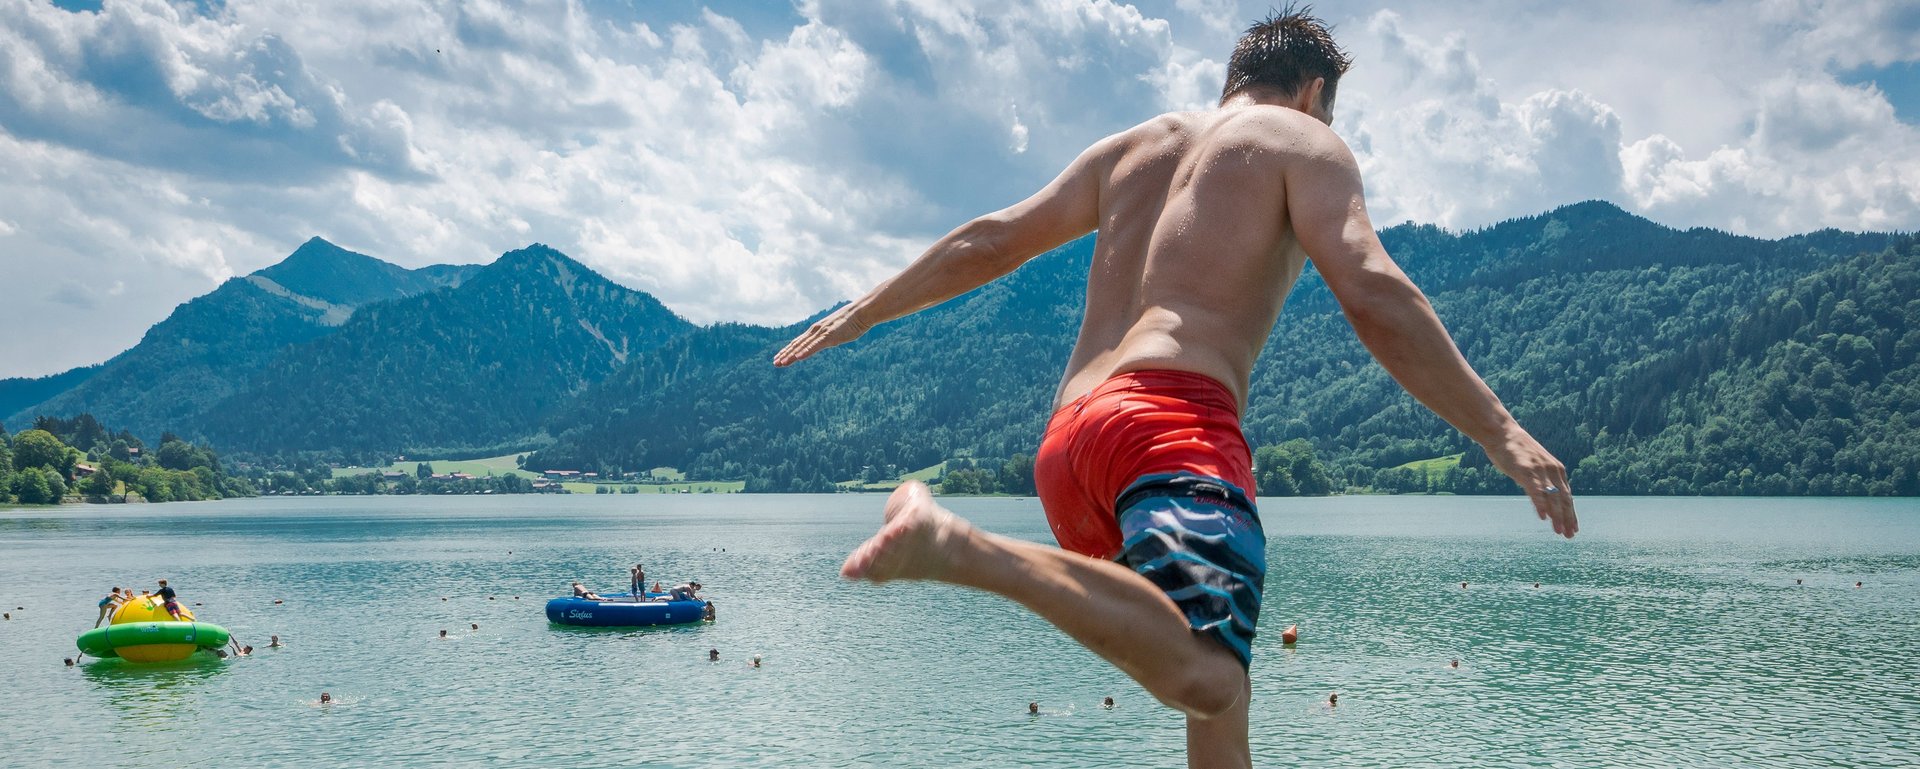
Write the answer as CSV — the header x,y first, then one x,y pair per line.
x,y
1205,220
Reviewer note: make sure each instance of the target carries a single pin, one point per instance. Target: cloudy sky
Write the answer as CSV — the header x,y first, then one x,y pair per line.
x,y
758,161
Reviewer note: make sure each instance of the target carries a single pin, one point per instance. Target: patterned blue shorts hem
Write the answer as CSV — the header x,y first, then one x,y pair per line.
x,y
1199,540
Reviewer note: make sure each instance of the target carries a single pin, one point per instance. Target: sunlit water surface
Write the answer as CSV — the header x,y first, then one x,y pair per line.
x,y
1671,633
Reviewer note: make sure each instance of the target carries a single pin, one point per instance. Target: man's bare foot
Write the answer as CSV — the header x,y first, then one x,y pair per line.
x,y
915,542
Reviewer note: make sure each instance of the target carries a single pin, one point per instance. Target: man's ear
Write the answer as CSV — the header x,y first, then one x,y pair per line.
x,y
1310,96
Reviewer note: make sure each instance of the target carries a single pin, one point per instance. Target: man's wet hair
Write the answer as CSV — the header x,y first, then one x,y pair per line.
x,y
1286,51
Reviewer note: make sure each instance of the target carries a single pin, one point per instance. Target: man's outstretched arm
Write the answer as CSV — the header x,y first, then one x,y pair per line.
x,y
970,256
1397,324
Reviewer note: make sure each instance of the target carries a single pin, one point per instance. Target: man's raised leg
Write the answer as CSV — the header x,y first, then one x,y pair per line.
x,y
1109,609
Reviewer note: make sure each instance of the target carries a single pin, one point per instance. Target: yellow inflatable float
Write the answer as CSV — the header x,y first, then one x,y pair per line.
x,y
143,631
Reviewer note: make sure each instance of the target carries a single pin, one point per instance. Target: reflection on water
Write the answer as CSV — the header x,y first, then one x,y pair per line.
x,y
1672,633
151,695
687,629
11,526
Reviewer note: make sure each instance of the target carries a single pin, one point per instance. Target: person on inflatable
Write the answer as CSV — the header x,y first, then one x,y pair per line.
x,y
686,592
108,605
580,591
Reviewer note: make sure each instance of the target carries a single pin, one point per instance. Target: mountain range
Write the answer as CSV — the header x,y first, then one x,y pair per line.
x,y
213,346
1648,358
464,370
1595,325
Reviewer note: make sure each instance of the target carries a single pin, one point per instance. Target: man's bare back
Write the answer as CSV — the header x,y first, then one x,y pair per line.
x,y
1194,256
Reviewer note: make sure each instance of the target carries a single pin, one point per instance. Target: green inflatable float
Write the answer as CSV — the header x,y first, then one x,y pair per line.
x,y
142,631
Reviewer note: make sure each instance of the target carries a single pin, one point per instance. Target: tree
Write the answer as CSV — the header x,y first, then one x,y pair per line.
x,y
1273,473
1016,476
423,471
1309,476
56,487
38,486
38,448
152,484
961,482
1290,469
180,455
100,484
82,432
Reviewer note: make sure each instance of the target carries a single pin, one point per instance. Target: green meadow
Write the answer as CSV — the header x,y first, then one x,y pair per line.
x,y
1435,468
675,481
924,475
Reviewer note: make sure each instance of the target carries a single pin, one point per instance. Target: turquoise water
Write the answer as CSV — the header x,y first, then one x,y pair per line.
x,y
1670,634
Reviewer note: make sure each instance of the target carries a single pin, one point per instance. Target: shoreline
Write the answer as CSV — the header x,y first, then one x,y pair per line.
x,y
73,504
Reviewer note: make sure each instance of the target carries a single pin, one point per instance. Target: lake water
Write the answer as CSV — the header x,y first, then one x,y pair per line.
x,y
1671,633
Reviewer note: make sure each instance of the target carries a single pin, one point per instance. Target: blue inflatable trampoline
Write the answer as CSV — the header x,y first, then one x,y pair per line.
x,y
619,611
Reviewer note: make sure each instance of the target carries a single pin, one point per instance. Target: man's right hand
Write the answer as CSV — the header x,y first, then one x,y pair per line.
x,y
1541,475
838,328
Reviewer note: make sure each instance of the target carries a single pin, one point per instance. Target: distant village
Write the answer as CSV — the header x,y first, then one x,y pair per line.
x,y
550,482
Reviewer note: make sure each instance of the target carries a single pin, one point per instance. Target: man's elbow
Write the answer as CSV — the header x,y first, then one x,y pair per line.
x,y
987,243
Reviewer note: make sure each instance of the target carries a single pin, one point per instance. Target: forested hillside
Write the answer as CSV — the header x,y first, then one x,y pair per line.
x,y
469,369
1651,360
21,392
211,347
973,376
1615,340
1585,320
1816,391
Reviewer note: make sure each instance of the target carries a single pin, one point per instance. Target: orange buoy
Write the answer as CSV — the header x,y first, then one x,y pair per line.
x,y
1290,635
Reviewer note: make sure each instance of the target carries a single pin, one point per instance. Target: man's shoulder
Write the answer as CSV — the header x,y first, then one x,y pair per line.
x,y
1156,130
1269,132
1275,127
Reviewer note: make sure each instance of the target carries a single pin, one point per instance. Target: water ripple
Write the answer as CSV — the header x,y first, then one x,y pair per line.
x,y
1671,634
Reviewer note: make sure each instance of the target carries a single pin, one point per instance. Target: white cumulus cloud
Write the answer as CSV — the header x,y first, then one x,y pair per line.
x,y
759,162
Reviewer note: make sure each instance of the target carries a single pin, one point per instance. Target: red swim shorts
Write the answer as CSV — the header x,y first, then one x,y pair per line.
x,y
1134,425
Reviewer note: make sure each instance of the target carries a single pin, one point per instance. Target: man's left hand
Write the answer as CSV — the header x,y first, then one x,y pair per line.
x,y
838,328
